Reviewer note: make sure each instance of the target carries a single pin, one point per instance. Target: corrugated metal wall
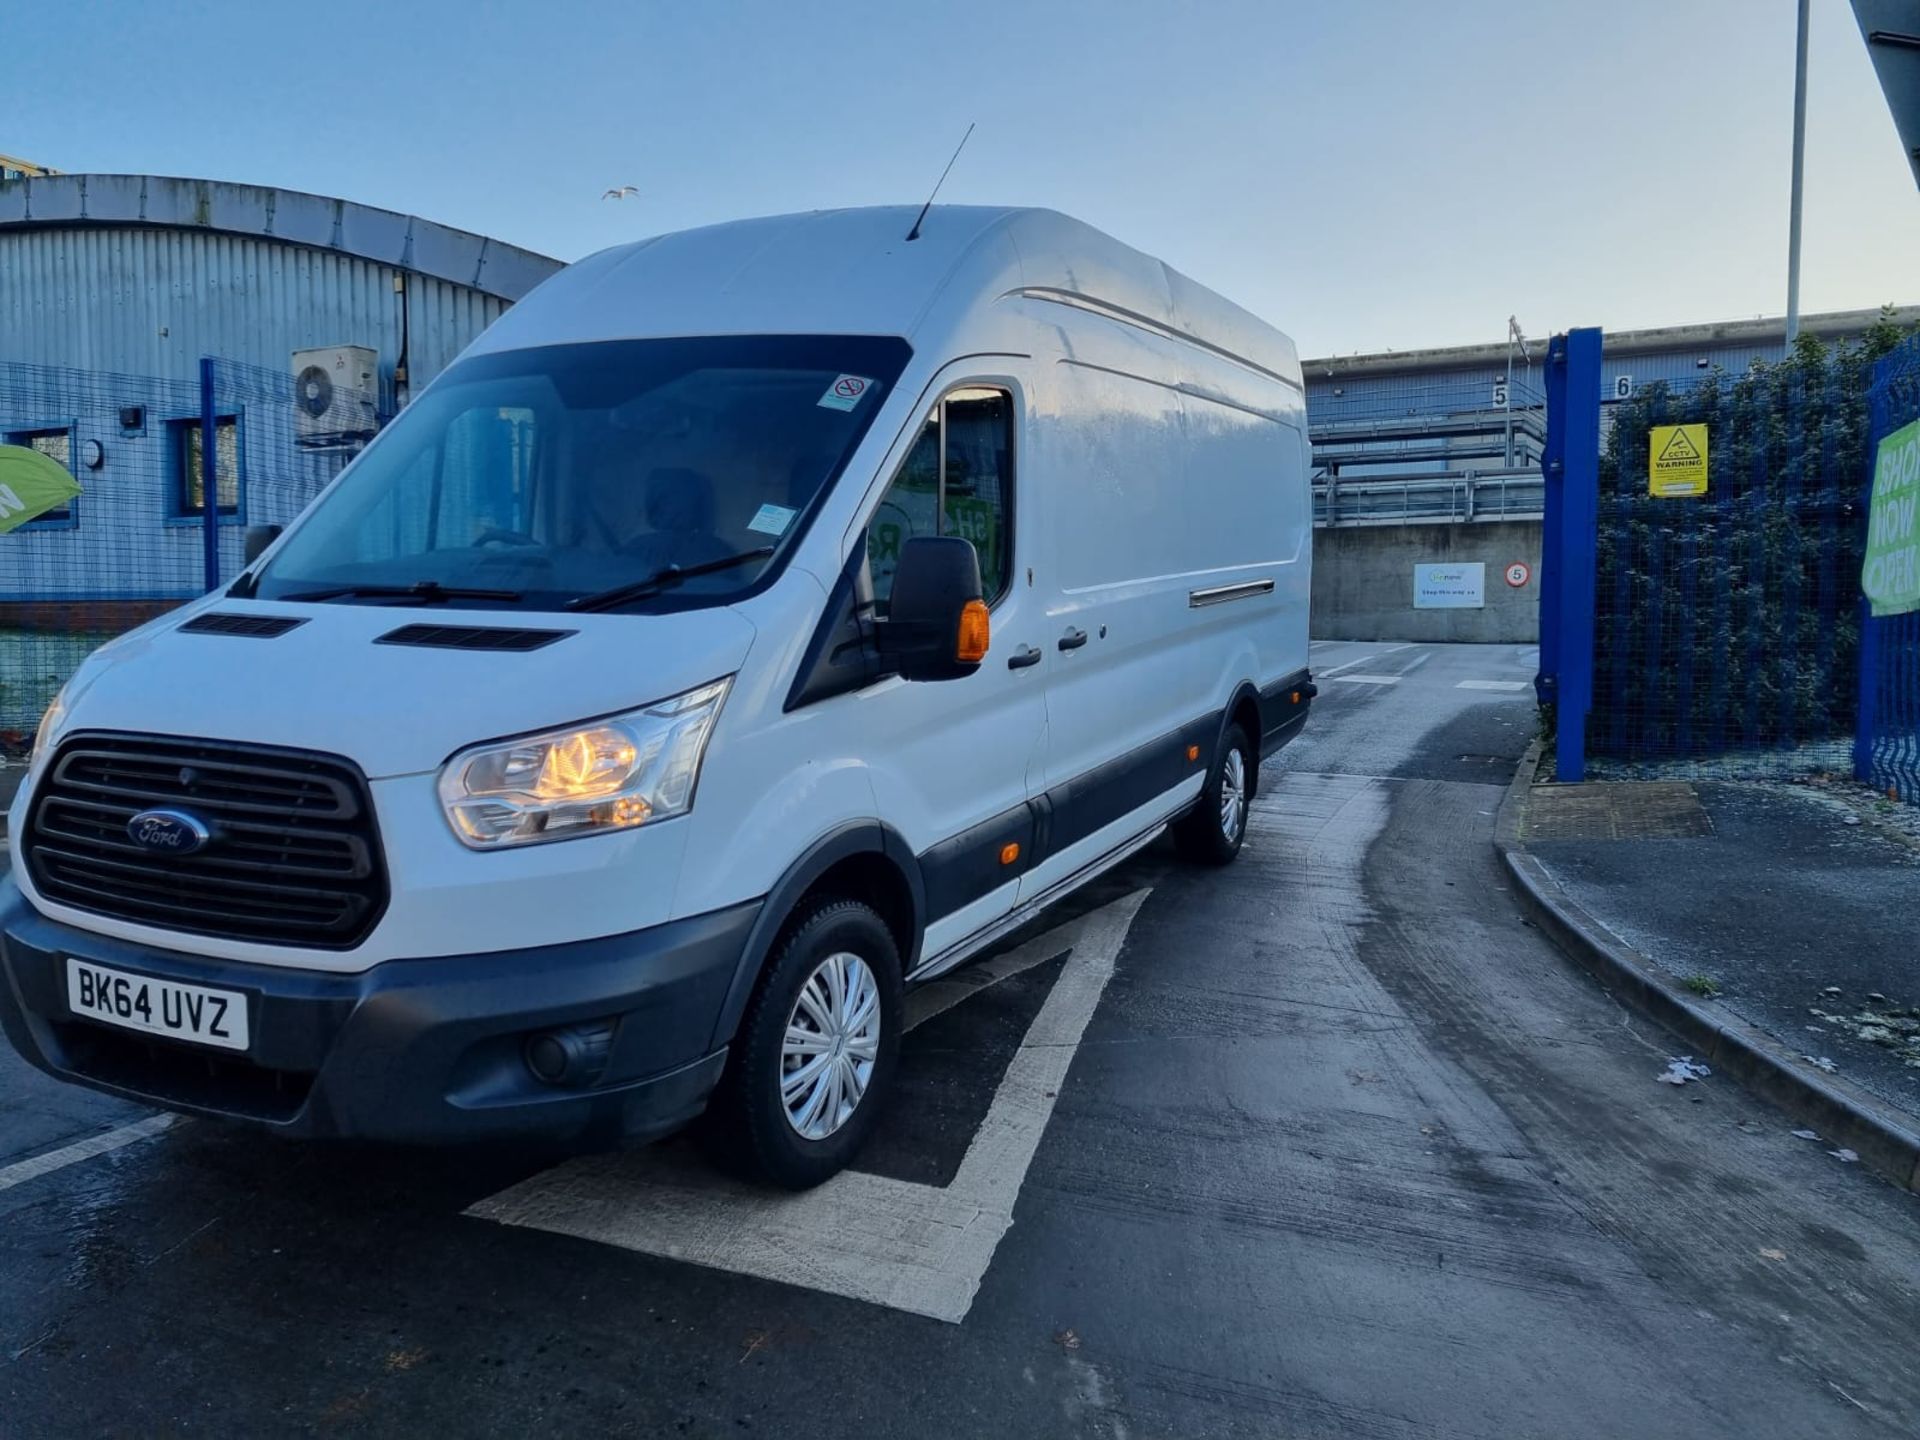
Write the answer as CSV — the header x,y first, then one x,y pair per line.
x,y
1443,389
152,301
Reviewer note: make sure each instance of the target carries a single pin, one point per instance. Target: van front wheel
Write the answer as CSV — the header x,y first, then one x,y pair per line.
x,y
1213,831
814,1057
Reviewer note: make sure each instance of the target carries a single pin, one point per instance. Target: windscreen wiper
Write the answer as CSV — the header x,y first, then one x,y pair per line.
x,y
662,578
427,590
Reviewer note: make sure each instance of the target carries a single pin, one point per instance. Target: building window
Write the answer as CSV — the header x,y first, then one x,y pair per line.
x,y
56,445
189,491
957,480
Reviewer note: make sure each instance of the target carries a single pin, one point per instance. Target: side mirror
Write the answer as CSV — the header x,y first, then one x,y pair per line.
x,y
258,538
936,626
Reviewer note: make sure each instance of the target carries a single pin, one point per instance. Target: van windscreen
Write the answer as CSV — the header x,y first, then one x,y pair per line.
x,y
545,477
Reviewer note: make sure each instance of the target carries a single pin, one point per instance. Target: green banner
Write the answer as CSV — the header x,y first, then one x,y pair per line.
x,y
1891,575
30,484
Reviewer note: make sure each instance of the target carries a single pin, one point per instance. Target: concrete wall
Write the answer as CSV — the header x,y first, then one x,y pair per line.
x,y
1363,582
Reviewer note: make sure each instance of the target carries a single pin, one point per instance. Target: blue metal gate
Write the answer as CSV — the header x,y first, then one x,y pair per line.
x,y
1722,633
1886,747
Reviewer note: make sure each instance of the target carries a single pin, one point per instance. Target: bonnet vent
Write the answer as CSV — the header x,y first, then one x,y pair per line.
x,y
258,627
472,637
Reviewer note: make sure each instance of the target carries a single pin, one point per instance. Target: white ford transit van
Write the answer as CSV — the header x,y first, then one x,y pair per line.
x,y
753,622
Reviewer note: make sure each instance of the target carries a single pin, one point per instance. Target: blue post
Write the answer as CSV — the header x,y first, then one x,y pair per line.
x,y
1553,477
1573,441
209,474
1863,730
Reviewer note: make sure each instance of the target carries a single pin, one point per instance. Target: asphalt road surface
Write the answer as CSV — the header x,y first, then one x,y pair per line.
x,y
1330,1143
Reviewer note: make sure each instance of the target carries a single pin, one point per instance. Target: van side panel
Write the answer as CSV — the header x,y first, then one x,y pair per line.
x,y
1173,492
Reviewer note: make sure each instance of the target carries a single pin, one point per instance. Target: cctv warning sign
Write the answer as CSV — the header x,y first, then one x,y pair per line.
x,y
1677,461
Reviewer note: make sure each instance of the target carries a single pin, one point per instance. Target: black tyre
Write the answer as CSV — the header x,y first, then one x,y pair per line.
x,y
814,1057
1212,832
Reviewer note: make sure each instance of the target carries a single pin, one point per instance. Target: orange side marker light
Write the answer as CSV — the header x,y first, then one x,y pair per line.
x,y
975,634
1193,752
1009,852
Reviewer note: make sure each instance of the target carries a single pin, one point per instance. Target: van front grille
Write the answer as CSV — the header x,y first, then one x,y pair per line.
x,y
292,855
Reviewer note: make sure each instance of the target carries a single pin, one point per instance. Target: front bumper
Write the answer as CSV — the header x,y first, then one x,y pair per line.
x,y
410,1050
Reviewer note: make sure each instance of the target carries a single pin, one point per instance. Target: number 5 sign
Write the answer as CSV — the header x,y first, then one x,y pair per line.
x,y
1518,574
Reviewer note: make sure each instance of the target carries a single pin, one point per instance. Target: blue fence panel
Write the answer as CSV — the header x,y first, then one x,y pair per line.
x,y
1726,626
1887,744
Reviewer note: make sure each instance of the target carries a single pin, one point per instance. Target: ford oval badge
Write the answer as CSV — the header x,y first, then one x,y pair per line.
x,y
169,832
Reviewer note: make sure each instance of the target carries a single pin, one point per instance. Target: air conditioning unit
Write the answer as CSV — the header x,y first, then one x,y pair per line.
x,y
335,395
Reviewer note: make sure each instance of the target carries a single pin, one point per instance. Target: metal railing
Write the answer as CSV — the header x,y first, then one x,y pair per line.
x,y
1501,494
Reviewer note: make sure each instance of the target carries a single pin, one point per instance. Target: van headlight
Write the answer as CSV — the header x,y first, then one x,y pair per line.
x,y
47,732
610,774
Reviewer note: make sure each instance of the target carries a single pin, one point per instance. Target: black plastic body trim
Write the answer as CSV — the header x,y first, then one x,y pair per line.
x,y
410,1050
958,871
1280,716
840,656
961,870
856,837
1115,788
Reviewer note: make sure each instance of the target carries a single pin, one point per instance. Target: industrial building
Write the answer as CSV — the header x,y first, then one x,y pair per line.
x,y
112,290
131,303
1432,457
1455,433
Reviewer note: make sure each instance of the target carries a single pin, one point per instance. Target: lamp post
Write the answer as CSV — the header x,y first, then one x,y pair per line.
x,y
1799,169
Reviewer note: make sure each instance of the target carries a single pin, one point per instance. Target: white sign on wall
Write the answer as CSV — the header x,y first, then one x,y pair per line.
x,y
1450,587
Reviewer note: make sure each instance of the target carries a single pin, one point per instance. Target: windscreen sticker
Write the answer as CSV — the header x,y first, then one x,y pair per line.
x,y
772,519
845,392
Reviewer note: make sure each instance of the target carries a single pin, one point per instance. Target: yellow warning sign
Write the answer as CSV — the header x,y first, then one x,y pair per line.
x,y
1677,461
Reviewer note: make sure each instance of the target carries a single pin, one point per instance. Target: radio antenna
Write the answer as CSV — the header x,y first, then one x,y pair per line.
x,y
914,234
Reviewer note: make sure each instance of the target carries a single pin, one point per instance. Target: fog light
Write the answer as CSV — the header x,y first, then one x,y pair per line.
x,y
573,1056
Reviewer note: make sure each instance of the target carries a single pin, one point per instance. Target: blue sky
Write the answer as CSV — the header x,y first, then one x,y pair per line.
x,y
1365,174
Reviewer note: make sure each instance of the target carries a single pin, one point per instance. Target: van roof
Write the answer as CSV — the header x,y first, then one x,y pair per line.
x,y
831,272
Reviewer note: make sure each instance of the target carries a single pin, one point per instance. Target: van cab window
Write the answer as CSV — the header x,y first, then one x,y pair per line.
x,y
543,477
957,480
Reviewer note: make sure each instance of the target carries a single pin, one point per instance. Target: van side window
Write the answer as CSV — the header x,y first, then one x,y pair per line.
x,y
957,480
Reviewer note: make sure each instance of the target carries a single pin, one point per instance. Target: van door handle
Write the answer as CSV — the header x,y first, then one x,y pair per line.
x,y
1023,657
1073,639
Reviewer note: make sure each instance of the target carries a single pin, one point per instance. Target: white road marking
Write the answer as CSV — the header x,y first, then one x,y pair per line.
x,y
1417,661
22,1171
913,1247
1492,685
1328,674
1369,679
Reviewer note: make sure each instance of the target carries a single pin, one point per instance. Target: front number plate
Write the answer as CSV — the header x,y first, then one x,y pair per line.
x,y
158,1007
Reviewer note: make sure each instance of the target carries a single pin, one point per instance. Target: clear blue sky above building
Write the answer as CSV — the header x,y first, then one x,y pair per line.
x,y
1367,174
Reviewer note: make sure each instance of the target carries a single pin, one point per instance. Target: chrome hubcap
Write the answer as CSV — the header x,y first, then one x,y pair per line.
x,y
1233,795
833,1036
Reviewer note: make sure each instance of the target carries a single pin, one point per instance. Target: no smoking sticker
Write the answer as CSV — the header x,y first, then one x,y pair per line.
x,y
845,392
1518,574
